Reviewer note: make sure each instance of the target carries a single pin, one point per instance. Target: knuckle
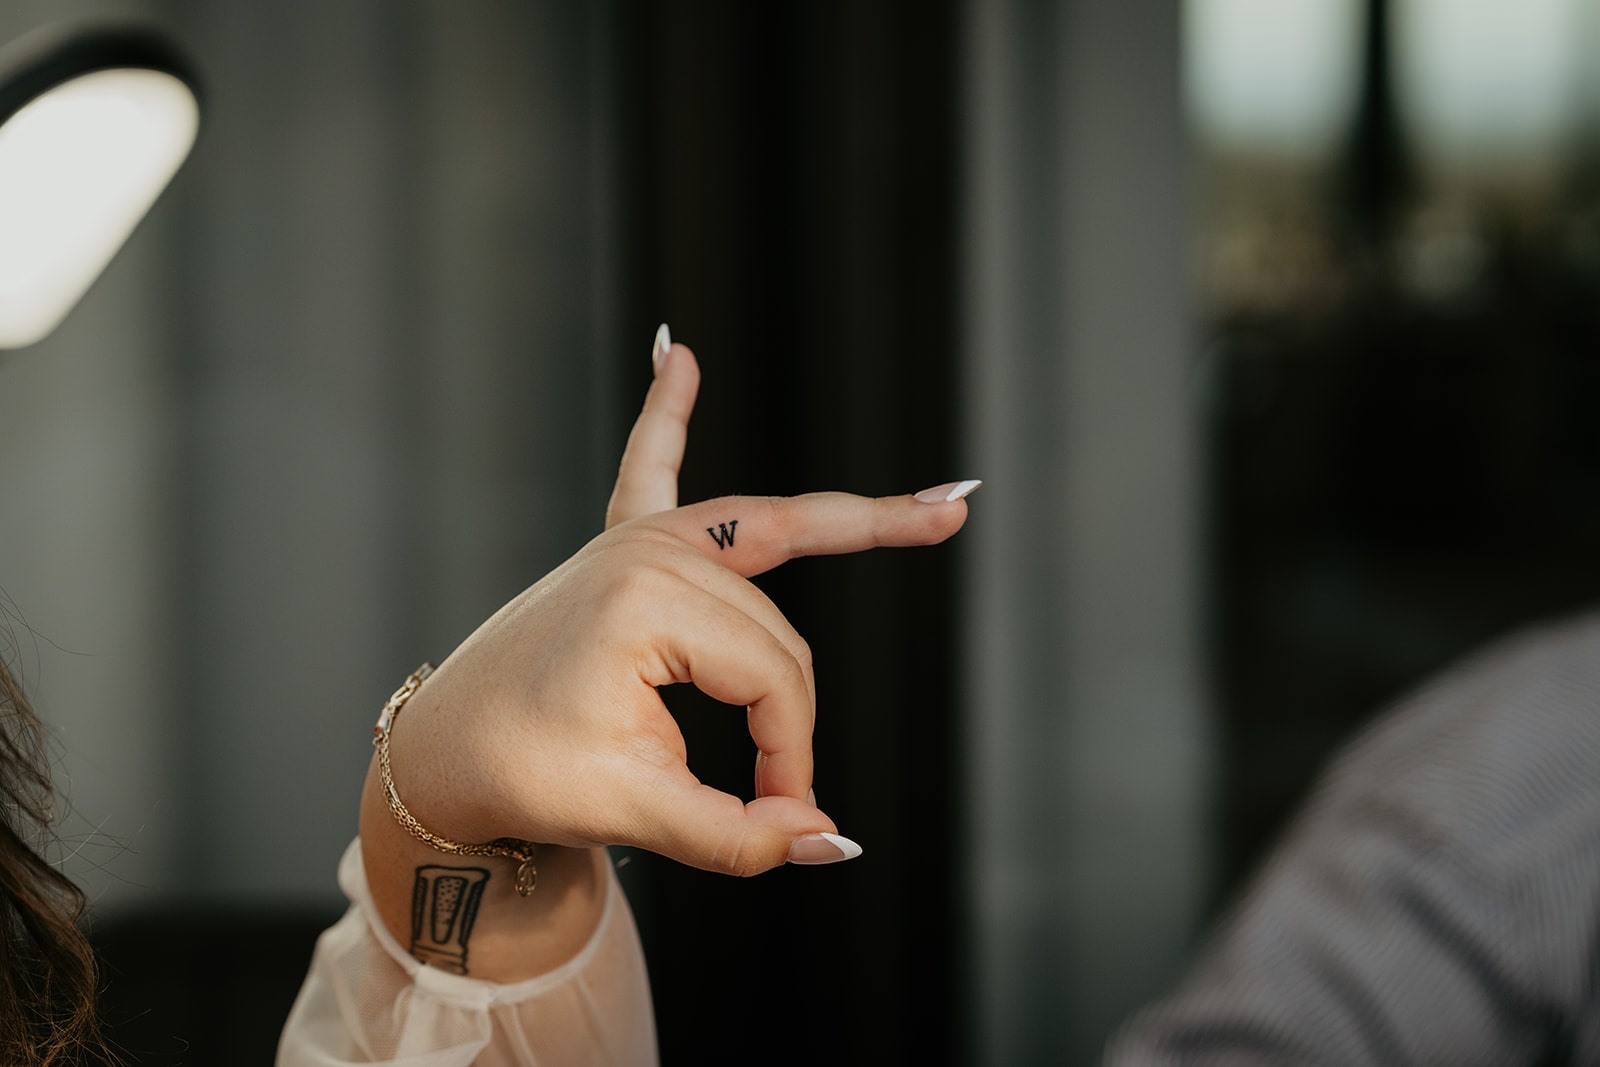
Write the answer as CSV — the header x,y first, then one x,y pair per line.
x,y
735,855
801,659
803,655
778,511
640,581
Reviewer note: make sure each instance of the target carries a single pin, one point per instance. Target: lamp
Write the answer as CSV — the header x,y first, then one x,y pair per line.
x,y
94,122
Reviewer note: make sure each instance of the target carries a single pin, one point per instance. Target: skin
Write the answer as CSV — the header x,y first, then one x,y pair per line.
x,y
545,723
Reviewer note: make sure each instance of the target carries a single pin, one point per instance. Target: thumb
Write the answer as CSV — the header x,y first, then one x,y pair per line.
x,y
716,831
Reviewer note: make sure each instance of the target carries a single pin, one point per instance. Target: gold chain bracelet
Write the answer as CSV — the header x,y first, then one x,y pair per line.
x,y
510,847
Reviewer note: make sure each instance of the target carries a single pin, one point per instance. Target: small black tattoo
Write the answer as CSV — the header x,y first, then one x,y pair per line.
x,y
722,533
444,905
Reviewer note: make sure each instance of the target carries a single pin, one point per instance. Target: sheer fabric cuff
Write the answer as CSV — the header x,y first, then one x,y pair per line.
x,y
367,1000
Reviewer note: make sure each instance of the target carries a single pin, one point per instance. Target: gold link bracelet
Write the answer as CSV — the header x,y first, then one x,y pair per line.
x,y
510,847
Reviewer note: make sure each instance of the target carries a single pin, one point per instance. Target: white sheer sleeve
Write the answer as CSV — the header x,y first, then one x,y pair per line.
x,y
366,1000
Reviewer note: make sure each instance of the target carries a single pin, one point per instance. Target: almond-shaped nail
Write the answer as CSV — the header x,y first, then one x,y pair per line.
x,y
943,494
823,848
663,346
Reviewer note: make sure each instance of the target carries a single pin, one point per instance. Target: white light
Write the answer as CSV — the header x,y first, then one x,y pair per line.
x,y
1272,76
79,167
1481,80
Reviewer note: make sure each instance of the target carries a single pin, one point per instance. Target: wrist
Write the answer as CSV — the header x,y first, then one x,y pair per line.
x,y
463,913
521,851
454,902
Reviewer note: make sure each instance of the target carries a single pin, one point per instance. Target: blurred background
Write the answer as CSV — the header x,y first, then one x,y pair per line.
x,y
1269,324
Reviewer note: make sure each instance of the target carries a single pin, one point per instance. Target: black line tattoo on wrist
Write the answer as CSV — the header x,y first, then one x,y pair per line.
x,y
444,905
722,533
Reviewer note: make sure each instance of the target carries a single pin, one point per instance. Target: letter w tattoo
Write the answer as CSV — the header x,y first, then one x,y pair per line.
x,y
722,533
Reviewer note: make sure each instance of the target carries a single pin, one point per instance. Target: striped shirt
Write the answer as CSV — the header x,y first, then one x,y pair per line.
x,y
1438,899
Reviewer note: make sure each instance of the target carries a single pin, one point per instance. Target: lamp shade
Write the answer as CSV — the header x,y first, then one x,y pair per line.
x,y
94,122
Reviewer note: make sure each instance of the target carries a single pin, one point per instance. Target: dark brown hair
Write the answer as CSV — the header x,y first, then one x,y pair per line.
x,y
47,967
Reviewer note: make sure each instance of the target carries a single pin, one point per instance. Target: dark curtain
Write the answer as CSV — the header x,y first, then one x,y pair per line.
x,y
792,195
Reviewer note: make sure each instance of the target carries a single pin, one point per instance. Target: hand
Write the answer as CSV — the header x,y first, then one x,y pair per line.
x,y
545,724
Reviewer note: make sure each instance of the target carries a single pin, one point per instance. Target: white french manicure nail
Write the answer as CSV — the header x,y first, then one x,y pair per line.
x,y
663,346
943,494
823,848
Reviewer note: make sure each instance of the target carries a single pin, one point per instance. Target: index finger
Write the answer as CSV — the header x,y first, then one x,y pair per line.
x,y
751,535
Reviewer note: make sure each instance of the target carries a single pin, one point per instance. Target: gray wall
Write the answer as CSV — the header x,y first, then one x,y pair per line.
x,y
1087,724
347,390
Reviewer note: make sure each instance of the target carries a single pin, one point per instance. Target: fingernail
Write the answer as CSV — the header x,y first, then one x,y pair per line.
x,y
663,346
943,494
812,798
823,848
